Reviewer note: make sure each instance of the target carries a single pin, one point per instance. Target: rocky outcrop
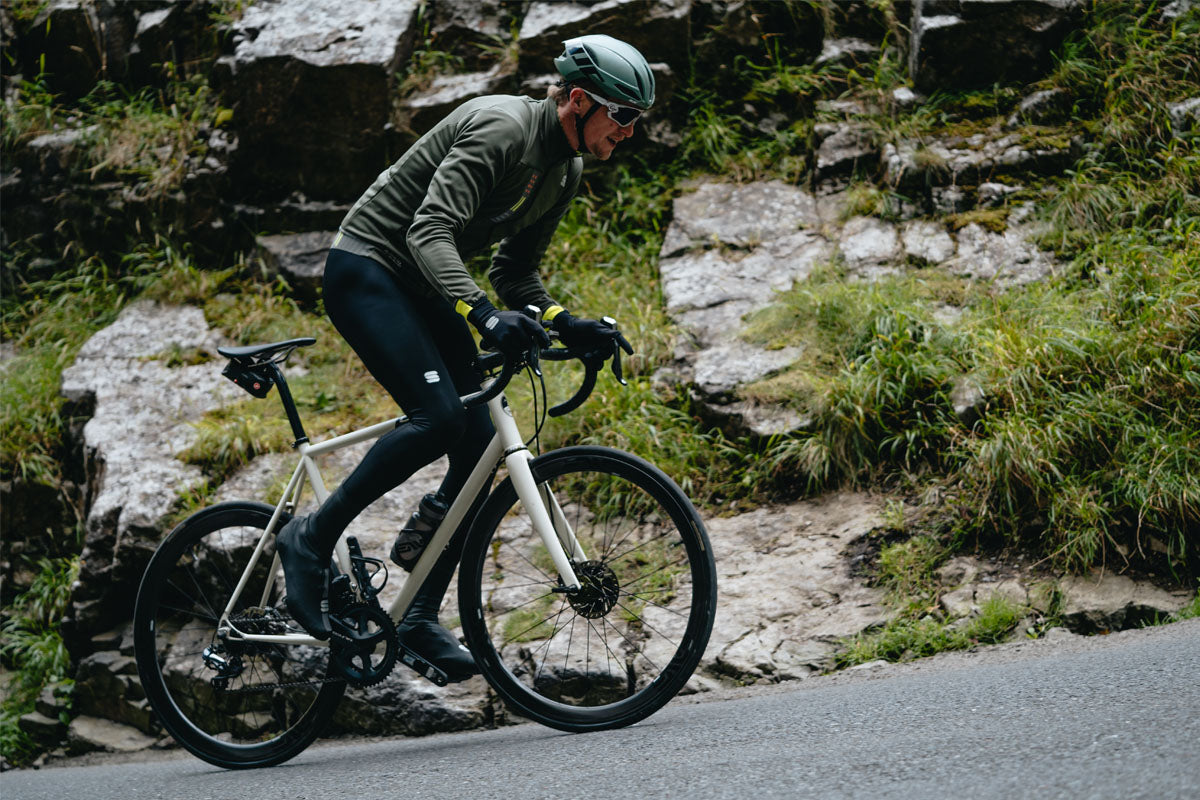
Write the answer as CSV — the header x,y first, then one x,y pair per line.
x,y
973,44
310,83
799,551
299,258
730,249
658,28
136,376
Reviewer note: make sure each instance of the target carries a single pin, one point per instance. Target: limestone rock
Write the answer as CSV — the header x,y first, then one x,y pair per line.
x,y
845,149
298,257
657,28
927,242
868,240
421,111
87,734
43,730
797,550
144,410
107,685
1104,601
1005,258
740,216
1185,116
310,84
970,44
466,27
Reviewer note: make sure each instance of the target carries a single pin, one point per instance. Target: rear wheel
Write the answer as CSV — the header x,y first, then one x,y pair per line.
x,y
232,704
617,650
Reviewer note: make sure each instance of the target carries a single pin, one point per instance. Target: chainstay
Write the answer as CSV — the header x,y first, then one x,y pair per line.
x,y
268,687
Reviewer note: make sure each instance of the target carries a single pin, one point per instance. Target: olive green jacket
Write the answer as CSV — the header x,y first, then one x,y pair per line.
x,y
496,169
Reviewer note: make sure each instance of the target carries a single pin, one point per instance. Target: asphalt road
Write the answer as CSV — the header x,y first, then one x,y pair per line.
x,y
1105,717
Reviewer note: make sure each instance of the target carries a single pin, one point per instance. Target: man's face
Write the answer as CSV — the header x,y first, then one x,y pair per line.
x,y
601,133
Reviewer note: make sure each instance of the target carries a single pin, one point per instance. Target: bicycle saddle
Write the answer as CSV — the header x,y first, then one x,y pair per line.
x,y
258,353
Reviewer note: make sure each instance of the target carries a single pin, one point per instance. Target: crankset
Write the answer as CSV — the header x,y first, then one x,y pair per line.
x,y
363,644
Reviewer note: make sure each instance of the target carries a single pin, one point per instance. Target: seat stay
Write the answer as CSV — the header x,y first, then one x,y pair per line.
x,y
290,494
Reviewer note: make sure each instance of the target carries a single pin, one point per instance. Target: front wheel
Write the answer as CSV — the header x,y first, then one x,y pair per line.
x,y
617,650
233,704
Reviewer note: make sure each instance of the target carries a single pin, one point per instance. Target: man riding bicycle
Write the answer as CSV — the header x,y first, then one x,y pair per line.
x,y
497,169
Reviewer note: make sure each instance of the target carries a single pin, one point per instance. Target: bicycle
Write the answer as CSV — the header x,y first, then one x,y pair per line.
x,y
587,587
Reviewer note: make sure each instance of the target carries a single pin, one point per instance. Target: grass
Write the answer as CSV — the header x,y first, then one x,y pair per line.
x,y
144,139
904,639
33,647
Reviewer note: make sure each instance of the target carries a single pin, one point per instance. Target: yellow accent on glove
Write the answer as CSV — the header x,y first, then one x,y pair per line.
x,y
551,313
462,308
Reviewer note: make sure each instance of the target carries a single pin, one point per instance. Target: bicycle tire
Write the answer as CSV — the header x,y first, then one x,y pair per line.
x,y
280,700
647,609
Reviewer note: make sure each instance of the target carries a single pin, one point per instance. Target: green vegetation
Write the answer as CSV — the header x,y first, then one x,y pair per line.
x,y
1191,610
1082,450
904,638
33,646
143,139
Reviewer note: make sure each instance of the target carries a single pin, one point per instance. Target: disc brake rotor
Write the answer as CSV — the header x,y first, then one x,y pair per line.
x,y
598,592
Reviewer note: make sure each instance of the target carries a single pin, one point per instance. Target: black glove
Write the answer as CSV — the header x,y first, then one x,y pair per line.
x,y
589,335
510,332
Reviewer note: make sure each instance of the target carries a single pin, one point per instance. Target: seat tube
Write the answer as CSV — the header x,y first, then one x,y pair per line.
x,y
516,461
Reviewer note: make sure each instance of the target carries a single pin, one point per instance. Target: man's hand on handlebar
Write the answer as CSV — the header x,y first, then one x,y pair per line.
x,y
588,335
510,332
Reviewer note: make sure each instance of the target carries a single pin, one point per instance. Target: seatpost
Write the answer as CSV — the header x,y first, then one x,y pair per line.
x,y
289,405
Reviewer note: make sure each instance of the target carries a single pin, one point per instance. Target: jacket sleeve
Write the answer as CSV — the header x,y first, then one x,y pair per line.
x,y
514,271
484,147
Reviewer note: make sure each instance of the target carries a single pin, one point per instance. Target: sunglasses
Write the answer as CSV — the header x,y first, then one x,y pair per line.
x,y
622,115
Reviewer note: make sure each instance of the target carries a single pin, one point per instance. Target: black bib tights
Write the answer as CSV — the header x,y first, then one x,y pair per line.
x,y
420,350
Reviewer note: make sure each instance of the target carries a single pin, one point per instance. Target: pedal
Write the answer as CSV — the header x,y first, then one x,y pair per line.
x,y
422,667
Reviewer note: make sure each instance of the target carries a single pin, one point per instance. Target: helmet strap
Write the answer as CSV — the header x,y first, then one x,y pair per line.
x,y
580,121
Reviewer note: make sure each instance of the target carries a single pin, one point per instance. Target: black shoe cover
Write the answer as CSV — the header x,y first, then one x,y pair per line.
x,y
438,646
306,575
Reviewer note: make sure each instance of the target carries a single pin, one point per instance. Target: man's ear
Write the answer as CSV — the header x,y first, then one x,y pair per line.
x,y
577,96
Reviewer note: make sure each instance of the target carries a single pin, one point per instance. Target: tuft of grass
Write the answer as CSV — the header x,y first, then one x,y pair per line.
x,y
905,639
1191,610
35,650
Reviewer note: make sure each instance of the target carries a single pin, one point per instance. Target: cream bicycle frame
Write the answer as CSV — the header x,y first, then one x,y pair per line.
x,y
508,445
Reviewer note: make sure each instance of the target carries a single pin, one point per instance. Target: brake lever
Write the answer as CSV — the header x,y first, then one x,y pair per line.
x,y
616,358
616,365
534,355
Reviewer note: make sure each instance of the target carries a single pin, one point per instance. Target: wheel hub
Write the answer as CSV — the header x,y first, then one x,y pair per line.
x,y
598,589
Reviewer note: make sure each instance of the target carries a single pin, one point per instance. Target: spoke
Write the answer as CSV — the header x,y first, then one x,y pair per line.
x,y
505,586
655,571
656,605
632,644
613,544
197,603
190,612
527,602
642,620
524,558
641,545
570,639
541,621
609,653
549,639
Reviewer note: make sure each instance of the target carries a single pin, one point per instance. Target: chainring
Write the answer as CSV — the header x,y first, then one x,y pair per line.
x,y
364,645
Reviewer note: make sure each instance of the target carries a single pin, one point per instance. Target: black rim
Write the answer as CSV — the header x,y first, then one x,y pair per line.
x,y
247,701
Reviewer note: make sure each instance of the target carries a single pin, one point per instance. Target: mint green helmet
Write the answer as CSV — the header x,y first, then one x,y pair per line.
x,y
617,69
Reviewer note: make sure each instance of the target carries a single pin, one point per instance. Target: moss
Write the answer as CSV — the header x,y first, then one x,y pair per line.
x,y
990,219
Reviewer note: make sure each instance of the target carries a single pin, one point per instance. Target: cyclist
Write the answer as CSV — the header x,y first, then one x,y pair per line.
x,y
497,169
